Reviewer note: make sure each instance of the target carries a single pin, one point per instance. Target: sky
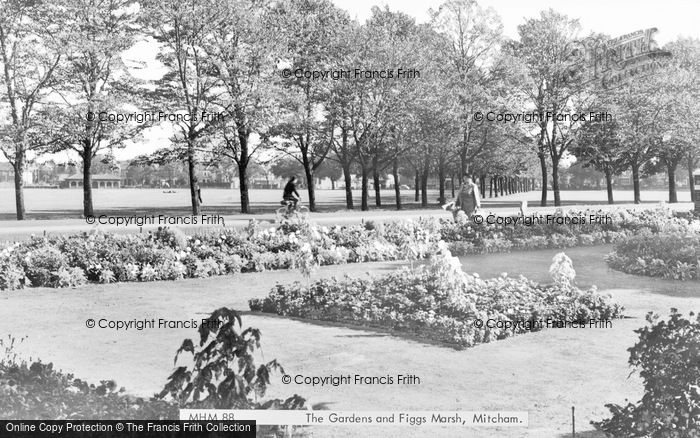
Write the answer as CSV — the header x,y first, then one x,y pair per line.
x,y
672,18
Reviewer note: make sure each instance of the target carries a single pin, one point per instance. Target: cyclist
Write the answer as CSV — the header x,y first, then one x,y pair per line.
x,y
290,194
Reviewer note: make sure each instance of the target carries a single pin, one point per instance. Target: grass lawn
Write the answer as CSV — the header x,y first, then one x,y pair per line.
x,y
544,373
68,203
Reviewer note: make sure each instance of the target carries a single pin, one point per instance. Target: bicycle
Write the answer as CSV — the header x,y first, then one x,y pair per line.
x,y
291,210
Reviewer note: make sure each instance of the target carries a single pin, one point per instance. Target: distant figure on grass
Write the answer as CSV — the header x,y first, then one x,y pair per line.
x,y
290,192
199,195
467,199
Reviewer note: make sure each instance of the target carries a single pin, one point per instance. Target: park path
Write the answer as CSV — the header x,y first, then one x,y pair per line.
x,y
505,205
544,373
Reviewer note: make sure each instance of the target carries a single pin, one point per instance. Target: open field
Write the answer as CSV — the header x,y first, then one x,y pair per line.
x,y
544,373
67,203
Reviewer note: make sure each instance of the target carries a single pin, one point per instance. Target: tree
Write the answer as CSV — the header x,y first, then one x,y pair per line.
x,y
314,30
189,87
471,39
638,116
93,83
29,54
681,78
556,90
598,145
286,167
330,169
245,46
387,39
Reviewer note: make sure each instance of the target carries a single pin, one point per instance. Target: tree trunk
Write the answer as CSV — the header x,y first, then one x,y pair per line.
x,y
365,189
194,182
635,183
377,186
310,186
543,169
609,185
491,187
691,180
441,184
18,167
672,193
348,187
243,173
417,191
87,182
452,185
555,182
424,189
243,187
397,183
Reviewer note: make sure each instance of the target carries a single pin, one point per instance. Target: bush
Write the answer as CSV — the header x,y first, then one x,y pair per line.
x,y
223,373
667,358
665,255
439,301
42,265
12,274
37,391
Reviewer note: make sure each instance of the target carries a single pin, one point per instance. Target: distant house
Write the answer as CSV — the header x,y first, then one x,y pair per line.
x,y
99,181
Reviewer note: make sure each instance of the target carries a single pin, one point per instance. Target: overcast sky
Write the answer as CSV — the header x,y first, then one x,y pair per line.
x,y
673,18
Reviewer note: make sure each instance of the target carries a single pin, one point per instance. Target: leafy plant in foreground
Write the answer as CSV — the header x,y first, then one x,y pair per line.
x,y
223,374
668,358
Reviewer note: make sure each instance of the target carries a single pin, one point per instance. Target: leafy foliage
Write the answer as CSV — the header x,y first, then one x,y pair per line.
x,y
668,358
223,374
38,391
665,255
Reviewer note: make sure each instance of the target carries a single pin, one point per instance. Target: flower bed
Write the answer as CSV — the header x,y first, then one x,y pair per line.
x,y
439,301
169,254
472,238
665,255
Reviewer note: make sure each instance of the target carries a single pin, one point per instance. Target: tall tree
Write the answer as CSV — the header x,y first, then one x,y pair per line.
x,y
556,90
93,83
638,118
471,40
29,53
245,47
314,30
386,40
191,86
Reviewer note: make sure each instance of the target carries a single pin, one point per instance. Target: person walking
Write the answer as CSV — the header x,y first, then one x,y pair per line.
x,y
467,198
